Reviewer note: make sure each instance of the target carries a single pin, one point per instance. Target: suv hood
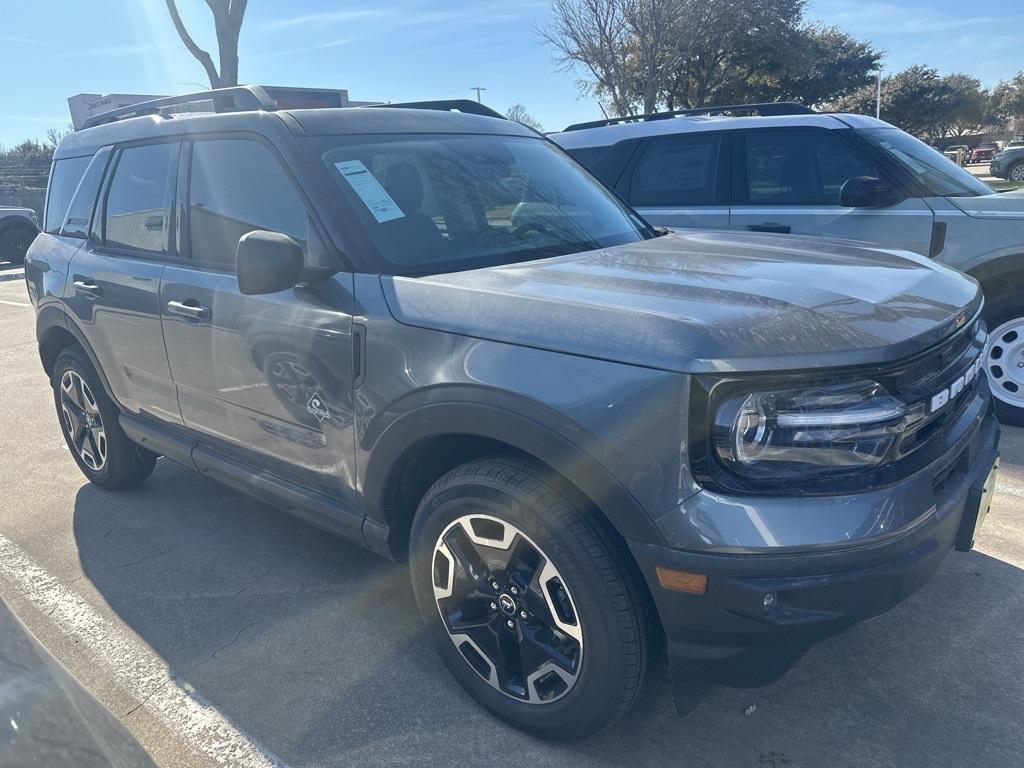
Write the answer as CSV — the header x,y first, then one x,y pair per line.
x,y
1005,205
703,301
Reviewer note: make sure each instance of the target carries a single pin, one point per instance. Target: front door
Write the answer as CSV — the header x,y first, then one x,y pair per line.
x,y
266,377
789,181
115,277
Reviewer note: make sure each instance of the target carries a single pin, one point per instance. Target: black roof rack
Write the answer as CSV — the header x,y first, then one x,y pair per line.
x,y
468,106
236,99
265,98
767,109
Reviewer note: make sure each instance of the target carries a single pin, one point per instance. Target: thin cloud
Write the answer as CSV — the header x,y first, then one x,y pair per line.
x,y
325,18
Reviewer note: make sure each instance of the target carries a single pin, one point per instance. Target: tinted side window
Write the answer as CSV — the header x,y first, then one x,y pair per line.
x,y
797,167
64,178
76,223
139,197
238,186
681,170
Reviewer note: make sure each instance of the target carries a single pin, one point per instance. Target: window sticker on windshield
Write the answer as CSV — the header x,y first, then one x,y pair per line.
x,y
370,191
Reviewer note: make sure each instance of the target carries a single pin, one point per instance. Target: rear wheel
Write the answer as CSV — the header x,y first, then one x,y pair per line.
x,y
91,429
530,598
14,243
1004,356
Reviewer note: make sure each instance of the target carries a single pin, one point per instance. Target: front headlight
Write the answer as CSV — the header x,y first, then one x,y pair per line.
x,y
809,432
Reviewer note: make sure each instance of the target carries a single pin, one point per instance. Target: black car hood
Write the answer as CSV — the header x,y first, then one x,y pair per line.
x,y
703,301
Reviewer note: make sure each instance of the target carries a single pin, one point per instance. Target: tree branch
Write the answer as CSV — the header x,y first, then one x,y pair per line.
x,y
201,56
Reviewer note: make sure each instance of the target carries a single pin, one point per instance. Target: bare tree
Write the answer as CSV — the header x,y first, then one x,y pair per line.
x,y
594,34
227,21
518,113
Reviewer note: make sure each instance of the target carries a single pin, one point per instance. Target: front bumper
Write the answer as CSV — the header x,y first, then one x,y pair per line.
x,y
996,169
728,636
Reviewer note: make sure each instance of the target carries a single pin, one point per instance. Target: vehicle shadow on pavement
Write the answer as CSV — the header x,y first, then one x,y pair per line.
x,y
313,647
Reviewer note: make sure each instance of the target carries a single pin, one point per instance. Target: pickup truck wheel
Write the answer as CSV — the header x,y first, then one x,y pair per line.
x,y
1016,172
529,598
1004,357
14,243
88,419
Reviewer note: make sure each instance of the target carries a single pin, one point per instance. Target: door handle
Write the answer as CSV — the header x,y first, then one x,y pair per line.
x,y
188,308
770,226
87,286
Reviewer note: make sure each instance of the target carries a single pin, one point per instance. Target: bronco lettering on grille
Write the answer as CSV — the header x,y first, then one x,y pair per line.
x,y
959,384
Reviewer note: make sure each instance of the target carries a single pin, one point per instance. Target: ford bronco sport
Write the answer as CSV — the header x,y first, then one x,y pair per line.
x,y
436,335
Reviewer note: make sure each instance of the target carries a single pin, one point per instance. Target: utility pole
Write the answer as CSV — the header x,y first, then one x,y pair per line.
x,y
878,96
478,88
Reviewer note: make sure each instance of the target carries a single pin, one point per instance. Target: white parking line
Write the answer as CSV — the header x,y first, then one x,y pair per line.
x,y
179,706
15,303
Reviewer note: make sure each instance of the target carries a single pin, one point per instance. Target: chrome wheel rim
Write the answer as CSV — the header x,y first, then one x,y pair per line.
x,y
1004,362
1017,172
81,414
507,609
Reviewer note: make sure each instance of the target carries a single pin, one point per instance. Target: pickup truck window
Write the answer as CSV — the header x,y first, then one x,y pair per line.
x,y
431,204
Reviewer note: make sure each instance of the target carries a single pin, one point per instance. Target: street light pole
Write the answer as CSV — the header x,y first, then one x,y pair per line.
x,y
878,97
478,88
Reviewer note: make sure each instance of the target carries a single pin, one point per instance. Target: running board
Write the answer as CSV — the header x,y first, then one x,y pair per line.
x,y
310,506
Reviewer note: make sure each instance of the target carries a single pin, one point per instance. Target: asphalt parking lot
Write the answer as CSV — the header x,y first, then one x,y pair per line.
x,y
223,632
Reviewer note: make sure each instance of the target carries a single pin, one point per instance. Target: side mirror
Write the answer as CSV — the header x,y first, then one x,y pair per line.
x,y
267,262
867,192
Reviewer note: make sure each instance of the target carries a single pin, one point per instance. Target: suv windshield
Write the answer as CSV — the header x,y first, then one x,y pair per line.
x,y
927,166
446,203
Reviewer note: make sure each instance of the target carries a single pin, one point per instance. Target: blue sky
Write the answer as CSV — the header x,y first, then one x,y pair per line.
x,y
396,51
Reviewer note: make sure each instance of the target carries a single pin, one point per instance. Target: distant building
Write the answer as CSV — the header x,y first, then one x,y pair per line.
x,y
85,105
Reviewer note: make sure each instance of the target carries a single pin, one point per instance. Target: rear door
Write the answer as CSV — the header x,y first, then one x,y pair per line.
x,y
788,181
266,378
680,181
115,276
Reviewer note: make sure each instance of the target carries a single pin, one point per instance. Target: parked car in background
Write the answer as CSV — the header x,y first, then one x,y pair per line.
x,y
18,228
588,436
840,176
958,153
984,152
1014,143
1008,164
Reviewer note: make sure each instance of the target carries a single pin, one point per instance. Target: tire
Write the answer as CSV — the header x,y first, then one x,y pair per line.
x,y
14,243
1015,172
1004,355
89,420
590,606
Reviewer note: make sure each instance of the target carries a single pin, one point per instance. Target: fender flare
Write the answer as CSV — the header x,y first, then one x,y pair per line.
x,y
996,270
525,434
53,316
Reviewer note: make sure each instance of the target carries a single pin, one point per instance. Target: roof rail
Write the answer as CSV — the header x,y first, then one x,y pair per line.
x,y
766,109
235,99
468,106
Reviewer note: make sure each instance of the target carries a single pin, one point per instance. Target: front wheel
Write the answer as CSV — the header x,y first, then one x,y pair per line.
x,y
1004,357
1016,172
530,598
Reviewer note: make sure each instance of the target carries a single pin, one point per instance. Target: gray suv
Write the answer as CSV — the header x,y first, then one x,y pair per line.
x,y
786,169
434,334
